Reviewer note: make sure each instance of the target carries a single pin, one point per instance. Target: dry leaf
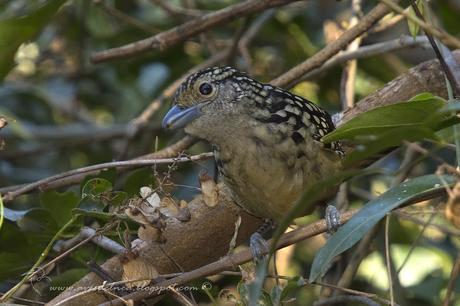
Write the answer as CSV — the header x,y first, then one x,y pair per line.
x,y
150,233
248,272
138,268
184,214
151,198
3,122
332,30
453,206
208,189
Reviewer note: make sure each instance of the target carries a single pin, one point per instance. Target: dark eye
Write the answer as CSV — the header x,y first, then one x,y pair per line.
x,y
205,89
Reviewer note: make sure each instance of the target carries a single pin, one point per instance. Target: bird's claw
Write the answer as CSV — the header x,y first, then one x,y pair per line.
x,y
332,219
258,246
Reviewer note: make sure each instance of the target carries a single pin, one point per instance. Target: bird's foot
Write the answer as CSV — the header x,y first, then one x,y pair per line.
x,y
258,246
332,217
257,243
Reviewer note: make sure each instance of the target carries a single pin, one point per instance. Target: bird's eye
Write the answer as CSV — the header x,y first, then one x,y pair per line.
x,y
205,89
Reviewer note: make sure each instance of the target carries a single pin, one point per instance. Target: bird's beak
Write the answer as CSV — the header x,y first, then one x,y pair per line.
x,y
178,117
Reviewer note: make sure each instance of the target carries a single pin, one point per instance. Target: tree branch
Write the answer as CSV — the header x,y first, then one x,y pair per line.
x,y
180,33
294,75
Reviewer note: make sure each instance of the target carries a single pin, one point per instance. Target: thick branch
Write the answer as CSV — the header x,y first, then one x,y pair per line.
x,y
203,239
426,76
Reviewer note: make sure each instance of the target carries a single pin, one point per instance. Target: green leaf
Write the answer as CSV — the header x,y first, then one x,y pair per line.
x,y
67,277
40,221
15,31
389,139
117,198
413,113
99,215
107,174
292,286
137,179
59,205
275,295
13,264
95,187
414,28
375,210
96,194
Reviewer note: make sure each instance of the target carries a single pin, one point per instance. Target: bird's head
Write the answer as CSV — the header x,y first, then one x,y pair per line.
x,y
205,98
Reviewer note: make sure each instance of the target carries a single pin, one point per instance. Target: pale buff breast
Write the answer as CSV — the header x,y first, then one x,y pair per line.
x,y
267,181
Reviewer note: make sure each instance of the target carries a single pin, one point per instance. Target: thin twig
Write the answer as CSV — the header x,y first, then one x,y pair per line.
x,y
414,243
355,292
232,260
447,70
120,164
24,300
293,76
347,83
452,282
403,42
86,234
176,10
344,299
359,253
442,228
180,33
386,23
441,35
125,17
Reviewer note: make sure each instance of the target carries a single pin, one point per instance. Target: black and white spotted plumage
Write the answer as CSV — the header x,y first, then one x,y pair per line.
x,y
267,140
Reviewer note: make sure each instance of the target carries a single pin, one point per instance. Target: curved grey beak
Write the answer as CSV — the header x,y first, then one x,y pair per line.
x,y
178,117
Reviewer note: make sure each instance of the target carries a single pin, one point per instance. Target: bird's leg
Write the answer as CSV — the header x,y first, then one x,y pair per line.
x,y
257,243
332,216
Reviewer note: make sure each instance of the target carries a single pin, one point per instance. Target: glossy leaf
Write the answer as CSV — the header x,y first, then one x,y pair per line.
x,y
95,187
371,214
413,113
292,286
389,139
39,220
414,28
137,179
59,205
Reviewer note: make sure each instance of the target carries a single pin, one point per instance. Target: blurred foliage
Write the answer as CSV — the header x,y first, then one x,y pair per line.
x,y
65,112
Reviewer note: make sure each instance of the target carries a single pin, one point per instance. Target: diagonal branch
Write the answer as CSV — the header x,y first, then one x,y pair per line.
x,y
180,33
293,76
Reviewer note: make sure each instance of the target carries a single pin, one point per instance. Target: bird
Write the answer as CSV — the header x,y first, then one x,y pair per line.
x,y
266,140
